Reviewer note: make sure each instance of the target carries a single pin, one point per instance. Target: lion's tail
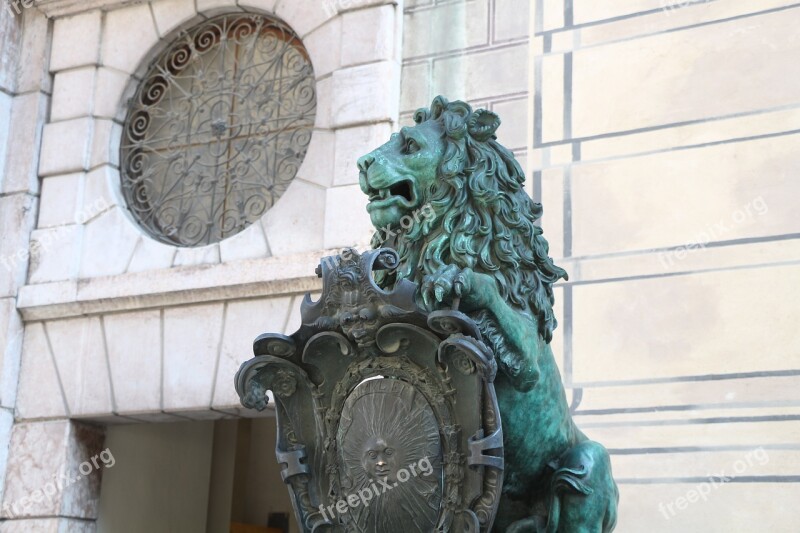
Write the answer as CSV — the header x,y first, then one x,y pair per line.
x,y
565,480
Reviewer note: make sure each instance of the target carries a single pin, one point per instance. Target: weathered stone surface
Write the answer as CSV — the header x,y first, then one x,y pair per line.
x,y
504,71
352,141
134,357
17,217
346,220
712,312
366,93
244,321
60,200
108,99
324,45
295,223
685,75
39,393
11,333
190,355
70,92
108,244
247,244
79,351
377,44
125,26
467,26
84,29
318,163
27,118
170,14
38,454
65,147
738,190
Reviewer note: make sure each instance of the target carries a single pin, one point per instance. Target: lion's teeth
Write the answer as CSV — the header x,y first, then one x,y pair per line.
x,y
384,193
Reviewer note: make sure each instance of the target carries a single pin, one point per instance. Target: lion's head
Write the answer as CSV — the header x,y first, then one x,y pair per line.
x,y
446,192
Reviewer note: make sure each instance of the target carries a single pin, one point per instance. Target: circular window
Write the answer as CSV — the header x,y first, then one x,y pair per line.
x,y
217,129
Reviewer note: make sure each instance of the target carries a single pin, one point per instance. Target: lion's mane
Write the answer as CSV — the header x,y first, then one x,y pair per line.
x,y
483,220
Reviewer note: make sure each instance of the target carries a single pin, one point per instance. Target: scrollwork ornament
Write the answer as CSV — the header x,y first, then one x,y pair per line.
x,y
463,364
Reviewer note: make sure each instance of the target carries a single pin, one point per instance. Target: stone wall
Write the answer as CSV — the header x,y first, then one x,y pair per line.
x,y
664,144
473,50
24,97
119,328
90,259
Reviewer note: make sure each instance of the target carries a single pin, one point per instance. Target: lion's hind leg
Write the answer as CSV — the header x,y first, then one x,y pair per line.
x,y
584,496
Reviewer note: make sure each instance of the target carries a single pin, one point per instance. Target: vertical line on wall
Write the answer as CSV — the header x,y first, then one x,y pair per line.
x,y
568,96
492,12
219,354
568,335
161,334
55,367
266,239
155,22
133,254
567,295
531,167
568,211
537,187
538,17
569,14
537,102
288,317
103,30
108,364
568,244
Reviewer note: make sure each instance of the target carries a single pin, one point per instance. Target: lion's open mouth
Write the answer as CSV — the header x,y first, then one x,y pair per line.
x,y
400,190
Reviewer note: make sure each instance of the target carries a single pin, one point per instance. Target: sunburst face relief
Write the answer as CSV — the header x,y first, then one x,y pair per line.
x,y
217,129
386,426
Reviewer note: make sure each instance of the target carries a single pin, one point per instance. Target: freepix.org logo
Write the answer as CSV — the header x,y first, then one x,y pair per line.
x,y
15,7
334,6
382,485
61,480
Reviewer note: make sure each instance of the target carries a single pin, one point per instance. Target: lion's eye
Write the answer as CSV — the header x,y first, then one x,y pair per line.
x,y
411,146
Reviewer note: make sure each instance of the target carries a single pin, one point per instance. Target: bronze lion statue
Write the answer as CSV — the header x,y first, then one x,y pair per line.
x,y
479,242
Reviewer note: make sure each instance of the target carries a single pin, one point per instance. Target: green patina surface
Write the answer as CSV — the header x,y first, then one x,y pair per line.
x,y
450,199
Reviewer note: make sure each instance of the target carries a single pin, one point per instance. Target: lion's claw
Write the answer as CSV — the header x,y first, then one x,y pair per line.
x,y
448,283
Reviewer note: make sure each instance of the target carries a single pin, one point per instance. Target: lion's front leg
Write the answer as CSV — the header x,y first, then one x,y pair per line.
x,y
517,343
475,291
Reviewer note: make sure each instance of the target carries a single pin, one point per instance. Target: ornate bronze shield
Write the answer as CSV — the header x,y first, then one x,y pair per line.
x,y
387,416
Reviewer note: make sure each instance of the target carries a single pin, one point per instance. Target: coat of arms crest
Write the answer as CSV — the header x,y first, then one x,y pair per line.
x,y
387,416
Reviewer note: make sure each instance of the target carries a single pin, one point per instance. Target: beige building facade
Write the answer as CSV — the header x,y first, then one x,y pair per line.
x,y
658,134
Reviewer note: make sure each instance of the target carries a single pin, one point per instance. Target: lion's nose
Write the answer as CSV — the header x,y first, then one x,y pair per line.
x,y
365,161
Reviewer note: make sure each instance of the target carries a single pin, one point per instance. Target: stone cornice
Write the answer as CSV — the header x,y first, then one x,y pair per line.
x,y
61,8
274,276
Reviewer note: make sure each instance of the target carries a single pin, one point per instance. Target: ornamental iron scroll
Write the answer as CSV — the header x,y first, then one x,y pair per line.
x,y
387,416
217,129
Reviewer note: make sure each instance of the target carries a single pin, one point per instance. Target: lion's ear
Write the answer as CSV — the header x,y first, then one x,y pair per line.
x,y
483,124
